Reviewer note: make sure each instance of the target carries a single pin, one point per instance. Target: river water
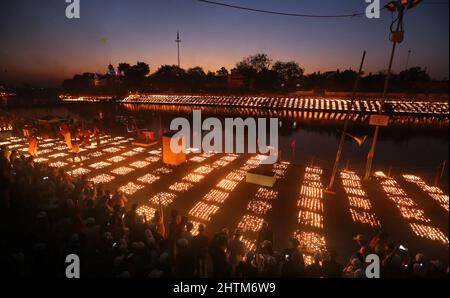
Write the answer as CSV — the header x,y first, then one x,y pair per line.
x,y
408,143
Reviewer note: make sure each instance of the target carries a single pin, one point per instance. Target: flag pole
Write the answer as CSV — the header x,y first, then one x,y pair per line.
x,y
346,122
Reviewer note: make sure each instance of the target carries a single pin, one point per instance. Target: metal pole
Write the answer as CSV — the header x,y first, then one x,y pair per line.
x,y
178,48
178,40
346,122
440,173
371,153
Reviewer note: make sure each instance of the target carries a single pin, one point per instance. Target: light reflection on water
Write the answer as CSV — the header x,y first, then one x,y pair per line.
x,y
412,142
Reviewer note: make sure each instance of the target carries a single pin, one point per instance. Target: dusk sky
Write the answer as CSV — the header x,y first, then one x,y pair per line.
x,y
39,45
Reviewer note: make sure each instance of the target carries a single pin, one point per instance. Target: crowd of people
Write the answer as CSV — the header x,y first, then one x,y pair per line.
x,y
46,214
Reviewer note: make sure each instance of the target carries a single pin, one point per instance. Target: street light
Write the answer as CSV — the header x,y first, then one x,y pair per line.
x,y
396,36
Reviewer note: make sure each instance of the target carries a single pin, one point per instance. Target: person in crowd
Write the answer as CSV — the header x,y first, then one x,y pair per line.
x,y
96,135
187,231
330,267
200,247
354,268
314,270
247,267
264,234
33,146
43,220
184,260
158,222
392,262
293,264
119,199
379,241
364,248
217,250
236,249
76,152
268,263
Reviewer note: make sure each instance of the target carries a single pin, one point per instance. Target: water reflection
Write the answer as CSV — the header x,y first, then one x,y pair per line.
x,y
408,141
299,116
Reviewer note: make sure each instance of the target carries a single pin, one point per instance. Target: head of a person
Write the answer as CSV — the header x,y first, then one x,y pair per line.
x,y
332,255
237,233
225,232
267,247
294,243
360,239
134,207
383,236
201,228
178,219
359,256
182,243
379,249
189,226
389,247
184,220
250,257
317,257
222,242
265,225
419,258
356,263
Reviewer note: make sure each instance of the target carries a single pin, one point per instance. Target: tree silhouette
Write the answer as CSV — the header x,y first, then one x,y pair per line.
x,y
123,68
288,73
257,62
222,72
258,74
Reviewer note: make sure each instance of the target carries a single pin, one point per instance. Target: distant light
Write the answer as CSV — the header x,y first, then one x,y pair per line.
x,y
391,6
413,3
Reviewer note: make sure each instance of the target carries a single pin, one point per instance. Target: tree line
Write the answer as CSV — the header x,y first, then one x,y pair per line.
x,y
257,74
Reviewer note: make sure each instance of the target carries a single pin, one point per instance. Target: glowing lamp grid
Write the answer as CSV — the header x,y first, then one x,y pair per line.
x,y
203,211
146,211
250,223
165,198
102,178
148,178
116,159
99,165
181,186
79,172
122,171
130,188
139,164
227,185
216,196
